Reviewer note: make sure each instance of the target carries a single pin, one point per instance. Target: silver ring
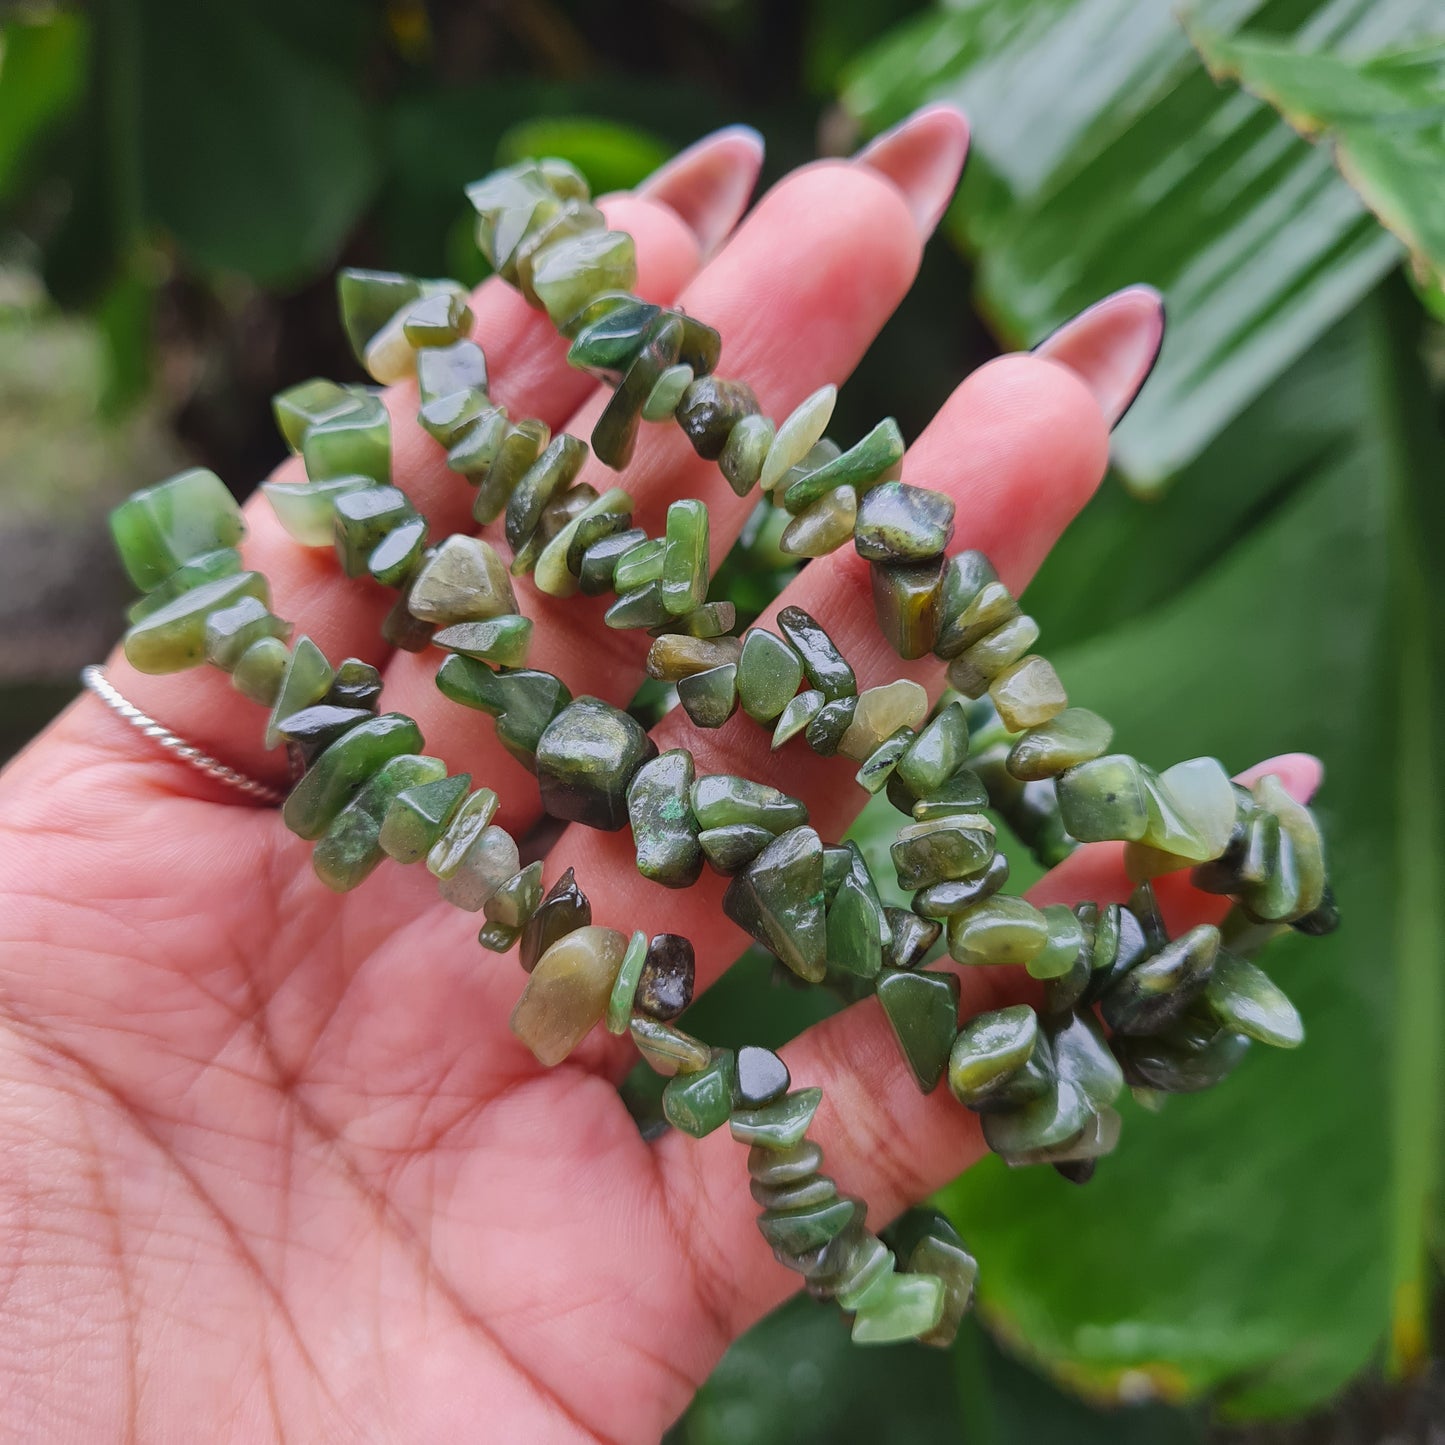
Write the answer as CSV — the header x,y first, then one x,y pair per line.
x,y
94,678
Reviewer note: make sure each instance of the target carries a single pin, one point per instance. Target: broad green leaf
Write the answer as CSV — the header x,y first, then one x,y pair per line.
x,y
261,164
42,65
1384,119
612,156
1104,154
1262,1241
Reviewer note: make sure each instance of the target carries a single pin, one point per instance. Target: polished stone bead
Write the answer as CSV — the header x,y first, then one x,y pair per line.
x,y
369,299
1104,799
1028,693
639,567
665,988
1173,1065
856,928
343,768
351,847
259,670
449,418
1075,736
712,619
664,831
966,575
730,848
502,641
1247,1001
720,799
871,460
878,766
586,757
778,899
498,938
208,567
523,701
615,435
902,1307
763,1077
899,523
463,581
564,908
797,435
1082,1058
865,1269
396,556
777,1126
775,1168
516,900
159,529
941,1255
795,1231
954,896
472,874
827,726
701,344
700,1102
306,509
989,1050
922,1009
709,410
353,442
1192,810
418,815
685,557
880,712
446,370
306,680
568,274
906,605
1066,938
972,671
301,406
362,519
598,563
667,1049
838,862
823,527
230,631
805,1193
440,319
477,446
554,470
1160,988
572,217
313,729
356,684
1057,1114
797,716
769,673
609,345
710,698
1000,929
599,518
938,752
964,792
818,455
666,392
746,451
401,630
517,450
568,992
642,608
173,637
624,987
932,852
910,938
464,827
1297,824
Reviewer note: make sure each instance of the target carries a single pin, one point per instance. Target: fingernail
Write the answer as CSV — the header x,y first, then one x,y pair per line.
x,y
923,157
710,183
1112,346
1301,774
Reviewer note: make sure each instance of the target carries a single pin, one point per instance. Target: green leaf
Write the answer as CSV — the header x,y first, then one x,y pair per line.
x,y
42,64
613,156
261,164
1260,1242
1104,154
1383,118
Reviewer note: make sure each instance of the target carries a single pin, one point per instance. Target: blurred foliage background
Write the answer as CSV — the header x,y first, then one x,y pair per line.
x,y
1262,571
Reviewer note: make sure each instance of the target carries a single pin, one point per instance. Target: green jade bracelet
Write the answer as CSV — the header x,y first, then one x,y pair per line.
x,y
1123,1003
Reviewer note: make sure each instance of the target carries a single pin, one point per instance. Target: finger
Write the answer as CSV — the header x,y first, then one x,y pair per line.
x,y
829,231
343,616
1020,445
883,1140
1112,346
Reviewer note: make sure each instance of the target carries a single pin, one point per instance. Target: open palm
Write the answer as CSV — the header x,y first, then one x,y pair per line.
x,y
271,1164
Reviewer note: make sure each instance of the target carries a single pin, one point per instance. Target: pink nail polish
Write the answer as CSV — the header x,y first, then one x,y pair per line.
x,y
923,156
1112,346
710,183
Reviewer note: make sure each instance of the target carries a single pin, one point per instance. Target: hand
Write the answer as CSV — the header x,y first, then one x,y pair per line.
x,y
271,1164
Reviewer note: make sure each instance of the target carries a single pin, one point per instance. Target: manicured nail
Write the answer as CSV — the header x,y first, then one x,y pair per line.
x,y
1301,774
1112,346
710,183
923,156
